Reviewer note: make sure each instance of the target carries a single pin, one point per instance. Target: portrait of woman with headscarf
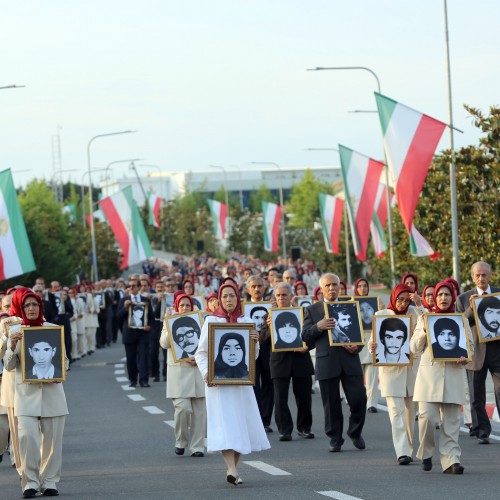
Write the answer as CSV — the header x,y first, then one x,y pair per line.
x,y
231,357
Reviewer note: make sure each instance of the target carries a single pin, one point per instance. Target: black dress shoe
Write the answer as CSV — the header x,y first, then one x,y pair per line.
x,y
404,460
29,493
335,448
133,384
427,464
268,429
372,409
359,443
232,479
50,492
144,384
285,437
179,451
483,440
198,454
156,379
306,434
454,469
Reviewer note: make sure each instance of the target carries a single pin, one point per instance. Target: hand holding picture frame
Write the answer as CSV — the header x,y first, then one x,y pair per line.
x,y
348,329
392,335
184,332
231,354
286,329
487,316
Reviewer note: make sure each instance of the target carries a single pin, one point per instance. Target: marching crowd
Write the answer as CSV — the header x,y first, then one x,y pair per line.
x,y
236,418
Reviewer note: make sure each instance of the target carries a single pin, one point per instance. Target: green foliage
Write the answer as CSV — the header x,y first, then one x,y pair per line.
x,y
257,197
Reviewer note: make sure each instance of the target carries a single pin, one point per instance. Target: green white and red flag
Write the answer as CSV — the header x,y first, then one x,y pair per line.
x,y
271,219
331,209
379,220
123,216
154,209
410,141
16,257
219,216
98,215
361,177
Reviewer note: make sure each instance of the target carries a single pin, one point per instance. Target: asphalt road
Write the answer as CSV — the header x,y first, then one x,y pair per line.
x,y
119,443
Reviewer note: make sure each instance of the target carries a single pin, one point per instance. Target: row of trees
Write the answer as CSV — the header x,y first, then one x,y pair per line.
x,y
61,248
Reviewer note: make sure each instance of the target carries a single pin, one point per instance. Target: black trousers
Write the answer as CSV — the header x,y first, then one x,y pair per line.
x,y
478,399
137,361
355,392
302,391
264,392
154,354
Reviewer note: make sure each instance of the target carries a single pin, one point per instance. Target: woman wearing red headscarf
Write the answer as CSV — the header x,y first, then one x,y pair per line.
x,y
234,426
428,297
212,302
40,409
185,387
439,391
411,281
397,382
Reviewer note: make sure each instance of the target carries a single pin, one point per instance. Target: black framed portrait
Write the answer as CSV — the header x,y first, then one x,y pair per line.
x,y
42,354
286,329
256,312
137,315
368,306
348,329
305,300
231,354
392,335
487,316
99,300
184,332
446,336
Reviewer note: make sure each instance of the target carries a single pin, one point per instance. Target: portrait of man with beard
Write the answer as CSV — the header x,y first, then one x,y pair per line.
x,y
488,313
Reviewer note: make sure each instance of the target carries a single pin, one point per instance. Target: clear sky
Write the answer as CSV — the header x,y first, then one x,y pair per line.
x,y
224,81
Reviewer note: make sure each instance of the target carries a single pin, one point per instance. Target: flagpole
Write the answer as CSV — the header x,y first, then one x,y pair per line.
x,y
226,196
453,180
387,190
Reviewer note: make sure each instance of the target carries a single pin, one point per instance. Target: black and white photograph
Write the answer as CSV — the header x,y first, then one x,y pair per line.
x,y
199,302
446,336
42,355
256,312
305,300
231,354
368,306
99,300
392,335
487,315
348,329
137,315
184,331
286,329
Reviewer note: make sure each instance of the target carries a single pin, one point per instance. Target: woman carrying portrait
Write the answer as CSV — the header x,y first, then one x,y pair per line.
x,y
234,426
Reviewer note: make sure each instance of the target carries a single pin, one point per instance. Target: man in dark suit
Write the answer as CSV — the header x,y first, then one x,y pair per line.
x,y
335,365
136,340
292,365
486,355
63,313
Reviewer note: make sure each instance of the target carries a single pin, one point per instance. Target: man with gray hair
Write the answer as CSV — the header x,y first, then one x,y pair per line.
x,y
290,277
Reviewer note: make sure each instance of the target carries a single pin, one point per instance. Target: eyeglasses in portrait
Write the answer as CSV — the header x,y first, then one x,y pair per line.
x,y
256,311
487,315
137,315
42,354
446,336
392,335
184,332
231,354
348,329
286,329
368,306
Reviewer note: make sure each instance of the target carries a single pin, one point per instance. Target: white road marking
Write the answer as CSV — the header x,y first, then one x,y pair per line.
x,y
274,471
171,423
121,379
154,410
128,388
119,372
124,359
338,495
491,436
119,365
136,397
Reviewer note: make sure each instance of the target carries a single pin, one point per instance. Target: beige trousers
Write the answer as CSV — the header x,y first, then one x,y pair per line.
x,y
190,413
402,416
14,438
371,384
90,336
429,414
40,447
4,433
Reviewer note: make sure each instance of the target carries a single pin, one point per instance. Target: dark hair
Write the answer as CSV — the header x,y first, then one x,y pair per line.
x,y
341,310
392,325
487,303
286,318
446,324
48,337
256,309
187,322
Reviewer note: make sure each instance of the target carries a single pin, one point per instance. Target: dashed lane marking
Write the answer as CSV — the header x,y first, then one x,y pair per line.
x,y
119,372
136,397
121,379
171,423
154,410
270,469
128,388
338,495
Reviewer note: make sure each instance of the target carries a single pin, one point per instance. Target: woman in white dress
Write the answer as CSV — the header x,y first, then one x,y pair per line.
x,y
234,426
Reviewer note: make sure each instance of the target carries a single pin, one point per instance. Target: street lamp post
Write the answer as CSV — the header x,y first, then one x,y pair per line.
x,y
387,190
108,166
92,232
283,237
161,179
83,194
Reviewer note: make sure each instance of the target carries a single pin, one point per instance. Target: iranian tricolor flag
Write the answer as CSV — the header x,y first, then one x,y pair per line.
x,y
361,177
15,250
123,216
154,210
271,218
379,220
98,214
410,141
331,218
219,215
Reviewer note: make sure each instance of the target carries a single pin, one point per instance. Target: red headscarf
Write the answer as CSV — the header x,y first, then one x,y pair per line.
x,y
184,284
32,322
178,299
415,279
398,289
344,284
357,282
16,307
297,284
210,296
453,298
455,284
424,300
316,291
221,312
